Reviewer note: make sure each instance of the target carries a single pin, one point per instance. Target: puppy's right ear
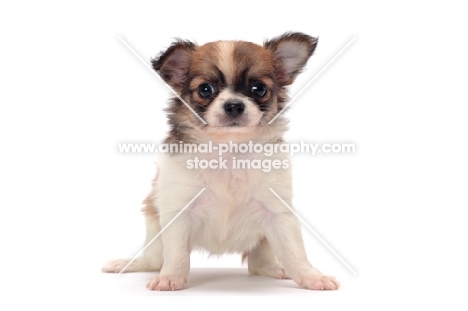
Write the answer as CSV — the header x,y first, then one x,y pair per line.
x,y
173,64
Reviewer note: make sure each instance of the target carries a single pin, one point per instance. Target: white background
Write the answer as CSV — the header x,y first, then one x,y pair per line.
x,y
395,210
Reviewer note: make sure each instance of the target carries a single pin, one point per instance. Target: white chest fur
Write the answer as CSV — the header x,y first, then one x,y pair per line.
x,y
231,213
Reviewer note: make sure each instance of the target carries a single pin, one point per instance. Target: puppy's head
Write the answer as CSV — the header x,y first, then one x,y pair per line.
x,y
237,87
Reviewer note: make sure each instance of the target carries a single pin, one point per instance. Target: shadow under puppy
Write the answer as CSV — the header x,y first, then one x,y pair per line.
x,y
236,87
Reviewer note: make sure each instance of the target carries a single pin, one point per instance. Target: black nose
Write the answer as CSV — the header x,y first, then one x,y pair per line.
x,y
234,108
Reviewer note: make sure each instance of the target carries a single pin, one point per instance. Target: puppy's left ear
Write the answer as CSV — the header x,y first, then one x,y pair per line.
x,y
173,64
291,52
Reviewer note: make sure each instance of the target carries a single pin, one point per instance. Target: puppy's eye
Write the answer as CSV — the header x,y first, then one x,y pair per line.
x,y
259,89
206,90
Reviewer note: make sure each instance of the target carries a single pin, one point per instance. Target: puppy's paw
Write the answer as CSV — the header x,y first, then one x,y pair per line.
x,y
319,282
115,266
167,282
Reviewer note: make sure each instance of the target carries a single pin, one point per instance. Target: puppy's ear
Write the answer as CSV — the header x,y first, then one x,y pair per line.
x,y
173,64
291,52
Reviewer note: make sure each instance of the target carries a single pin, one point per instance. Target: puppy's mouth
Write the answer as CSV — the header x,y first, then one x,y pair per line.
x,y
235,123
225,121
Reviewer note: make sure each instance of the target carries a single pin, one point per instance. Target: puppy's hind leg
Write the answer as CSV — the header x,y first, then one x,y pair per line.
x,y
262,261
152,257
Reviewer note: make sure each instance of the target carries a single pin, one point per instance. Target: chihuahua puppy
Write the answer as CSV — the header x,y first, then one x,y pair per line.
x,y
236,87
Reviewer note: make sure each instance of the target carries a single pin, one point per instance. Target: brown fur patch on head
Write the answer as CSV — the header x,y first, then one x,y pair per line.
x,y
255,64
208,60
237,67
252,61
230,64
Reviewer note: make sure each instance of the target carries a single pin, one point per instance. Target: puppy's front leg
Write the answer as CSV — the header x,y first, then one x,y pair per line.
x,y
283,231
176,266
